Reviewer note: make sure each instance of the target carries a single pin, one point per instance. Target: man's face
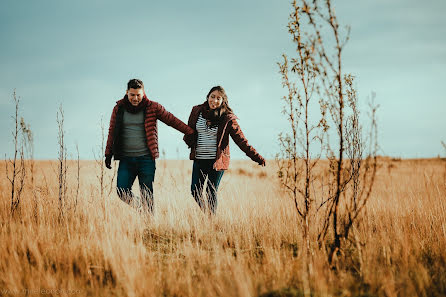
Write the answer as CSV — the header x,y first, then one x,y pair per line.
x,y
135,96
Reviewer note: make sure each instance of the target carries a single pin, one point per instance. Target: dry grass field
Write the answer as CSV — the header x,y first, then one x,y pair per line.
x,y
250,248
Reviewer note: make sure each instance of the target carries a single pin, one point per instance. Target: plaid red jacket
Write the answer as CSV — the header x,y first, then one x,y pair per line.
x,y
153,112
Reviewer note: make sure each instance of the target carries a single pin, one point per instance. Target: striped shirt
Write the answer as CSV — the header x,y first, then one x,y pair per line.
x,y
207,140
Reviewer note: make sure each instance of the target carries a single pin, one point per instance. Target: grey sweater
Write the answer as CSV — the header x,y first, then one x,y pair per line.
x,y
133,135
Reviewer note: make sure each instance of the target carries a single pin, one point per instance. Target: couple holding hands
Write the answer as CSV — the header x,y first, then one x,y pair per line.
x,y
133,140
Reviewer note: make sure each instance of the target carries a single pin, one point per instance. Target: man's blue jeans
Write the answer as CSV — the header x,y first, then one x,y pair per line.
x,y
142,167
201,170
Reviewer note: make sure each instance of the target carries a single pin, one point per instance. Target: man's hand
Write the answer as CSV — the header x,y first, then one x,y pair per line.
x,y
262,162
108,161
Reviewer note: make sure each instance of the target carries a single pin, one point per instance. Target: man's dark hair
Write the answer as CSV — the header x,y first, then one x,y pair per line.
x,y
135,83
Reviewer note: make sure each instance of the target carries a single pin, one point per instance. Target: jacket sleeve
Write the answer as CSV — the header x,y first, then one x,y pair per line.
x,y
237,135
111,129
189,138
171,120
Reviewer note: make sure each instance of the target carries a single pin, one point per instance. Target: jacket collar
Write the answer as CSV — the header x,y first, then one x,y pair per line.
x,y
227,118
122,101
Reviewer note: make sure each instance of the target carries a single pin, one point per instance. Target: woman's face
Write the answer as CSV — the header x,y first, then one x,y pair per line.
x,y
215,99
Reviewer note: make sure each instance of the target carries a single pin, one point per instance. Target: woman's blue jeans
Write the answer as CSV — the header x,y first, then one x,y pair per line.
x,y
142,167
201,170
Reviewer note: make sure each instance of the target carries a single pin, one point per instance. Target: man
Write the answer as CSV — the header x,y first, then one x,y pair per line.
x,y
133,139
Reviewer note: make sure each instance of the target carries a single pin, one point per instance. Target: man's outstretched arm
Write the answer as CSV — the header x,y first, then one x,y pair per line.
x,y
171,120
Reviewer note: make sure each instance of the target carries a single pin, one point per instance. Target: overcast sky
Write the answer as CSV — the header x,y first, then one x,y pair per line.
x,y
82,53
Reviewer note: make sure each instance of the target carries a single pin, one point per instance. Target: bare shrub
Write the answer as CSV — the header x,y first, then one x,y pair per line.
x,y
15,168
28,141
340,97
297,158
78,172
346,183
100,165
62,162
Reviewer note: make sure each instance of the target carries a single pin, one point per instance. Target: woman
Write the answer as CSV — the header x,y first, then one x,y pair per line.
x,y
214,121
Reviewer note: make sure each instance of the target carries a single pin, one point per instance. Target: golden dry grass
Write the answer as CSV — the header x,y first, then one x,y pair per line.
x,y
251,247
